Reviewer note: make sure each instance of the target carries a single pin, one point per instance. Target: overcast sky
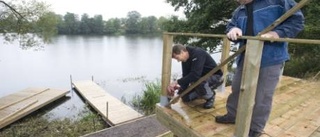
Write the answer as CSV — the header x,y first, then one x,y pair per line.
x,y
113,8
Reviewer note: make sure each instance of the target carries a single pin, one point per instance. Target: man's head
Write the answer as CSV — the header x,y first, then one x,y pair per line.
x,y
180,53
244,1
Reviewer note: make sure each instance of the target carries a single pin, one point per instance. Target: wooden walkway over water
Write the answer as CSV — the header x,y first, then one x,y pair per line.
x,y
110,108
295,113
19,104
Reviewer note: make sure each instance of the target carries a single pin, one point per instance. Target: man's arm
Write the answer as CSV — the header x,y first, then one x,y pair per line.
x,y
232,29
293,25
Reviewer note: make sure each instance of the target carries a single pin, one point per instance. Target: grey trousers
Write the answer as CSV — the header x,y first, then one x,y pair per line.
x,y
267,82
204,90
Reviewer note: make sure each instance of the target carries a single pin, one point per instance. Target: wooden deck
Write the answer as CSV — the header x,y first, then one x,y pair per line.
x,y
19,104
110,108
295,113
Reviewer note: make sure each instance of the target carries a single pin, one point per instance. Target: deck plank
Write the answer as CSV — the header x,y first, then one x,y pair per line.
x,y
295,112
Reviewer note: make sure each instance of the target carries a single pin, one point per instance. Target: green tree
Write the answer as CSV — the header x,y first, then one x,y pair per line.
x,y
71,23
113,26
207,16
44,26
27,21
85,24
202,16
61,25
97,24
304,60
174,24
161,22
132,22
148,25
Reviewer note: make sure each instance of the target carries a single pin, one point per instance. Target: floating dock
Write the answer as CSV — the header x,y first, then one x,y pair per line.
x,y
110,108
17,105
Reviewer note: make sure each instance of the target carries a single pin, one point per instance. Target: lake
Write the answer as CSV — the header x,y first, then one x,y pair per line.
x,y
119,64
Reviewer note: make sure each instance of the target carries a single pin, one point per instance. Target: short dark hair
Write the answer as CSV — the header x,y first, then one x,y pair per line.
x,y
177,48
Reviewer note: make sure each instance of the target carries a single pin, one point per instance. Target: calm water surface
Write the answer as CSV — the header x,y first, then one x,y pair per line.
x,y
119,64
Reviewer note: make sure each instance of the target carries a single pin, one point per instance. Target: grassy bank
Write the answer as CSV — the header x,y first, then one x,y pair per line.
x,y
36,125
146,102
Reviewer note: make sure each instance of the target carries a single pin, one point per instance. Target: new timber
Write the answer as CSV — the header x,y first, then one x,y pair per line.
x,y
19,104
112,110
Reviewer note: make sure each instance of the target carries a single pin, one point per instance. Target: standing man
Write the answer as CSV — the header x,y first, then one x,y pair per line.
x,y
250,18
196,63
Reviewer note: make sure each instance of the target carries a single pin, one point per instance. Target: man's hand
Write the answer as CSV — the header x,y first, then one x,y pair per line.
x,y
234,33
270,34
172,87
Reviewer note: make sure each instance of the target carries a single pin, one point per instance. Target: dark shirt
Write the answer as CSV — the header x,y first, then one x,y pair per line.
x,y
198,64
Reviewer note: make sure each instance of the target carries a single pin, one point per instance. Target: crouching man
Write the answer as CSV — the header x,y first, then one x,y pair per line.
x,y
196,63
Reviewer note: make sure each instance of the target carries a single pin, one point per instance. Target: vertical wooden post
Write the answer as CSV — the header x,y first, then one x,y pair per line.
x,y
107,109
71,84
166,67
71,81
249,81
224,55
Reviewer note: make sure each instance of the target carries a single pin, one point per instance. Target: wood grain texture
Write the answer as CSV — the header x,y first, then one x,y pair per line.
x,y
295,113
110,108
19,104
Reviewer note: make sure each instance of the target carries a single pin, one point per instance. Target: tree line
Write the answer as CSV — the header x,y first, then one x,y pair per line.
x,y
134,23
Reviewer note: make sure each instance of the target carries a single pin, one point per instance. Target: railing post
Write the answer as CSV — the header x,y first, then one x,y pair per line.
x,y
71,82
107,110
224,55
166,67
249,81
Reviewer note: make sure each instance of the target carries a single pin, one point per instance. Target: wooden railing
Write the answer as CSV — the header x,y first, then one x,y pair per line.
x,y
250,72
253,52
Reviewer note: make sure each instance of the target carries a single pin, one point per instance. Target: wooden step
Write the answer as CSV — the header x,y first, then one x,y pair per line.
x,y
142,127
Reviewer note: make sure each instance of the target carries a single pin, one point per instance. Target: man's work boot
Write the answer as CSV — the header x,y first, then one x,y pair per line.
x,y
254,133
225,119
209,102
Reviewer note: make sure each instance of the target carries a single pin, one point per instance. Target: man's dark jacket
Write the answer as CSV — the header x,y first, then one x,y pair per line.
x,y
198,64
